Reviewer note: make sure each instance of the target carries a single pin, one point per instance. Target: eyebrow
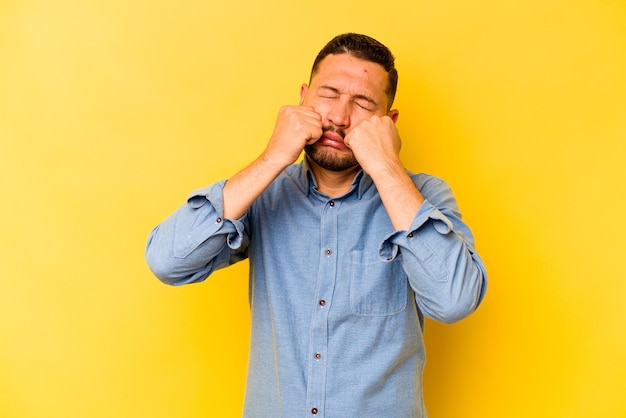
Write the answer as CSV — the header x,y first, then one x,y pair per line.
x,y
356,96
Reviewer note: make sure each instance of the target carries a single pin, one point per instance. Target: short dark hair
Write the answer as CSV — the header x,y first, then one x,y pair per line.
x,y
365,48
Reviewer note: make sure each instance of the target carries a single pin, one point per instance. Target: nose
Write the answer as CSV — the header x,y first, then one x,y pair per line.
x,y
339,114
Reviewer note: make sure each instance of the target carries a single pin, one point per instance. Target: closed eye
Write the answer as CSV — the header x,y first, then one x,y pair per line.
x,y
362,101
327,92
365,104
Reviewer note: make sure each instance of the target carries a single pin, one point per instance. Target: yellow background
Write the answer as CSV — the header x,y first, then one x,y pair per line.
x,y
111,112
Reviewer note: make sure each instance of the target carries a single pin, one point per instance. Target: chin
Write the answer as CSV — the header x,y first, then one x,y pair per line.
x,y
325,158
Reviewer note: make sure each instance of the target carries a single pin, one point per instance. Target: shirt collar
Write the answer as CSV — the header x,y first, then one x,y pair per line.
x,y
361,182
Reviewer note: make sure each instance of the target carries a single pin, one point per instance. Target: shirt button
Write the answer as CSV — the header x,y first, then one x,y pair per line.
x,y
329,251
410,234
314,411
331,203
218,220
322,302
318,356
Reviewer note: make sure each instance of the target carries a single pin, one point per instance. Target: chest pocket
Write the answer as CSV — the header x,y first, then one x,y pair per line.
x,y
377,288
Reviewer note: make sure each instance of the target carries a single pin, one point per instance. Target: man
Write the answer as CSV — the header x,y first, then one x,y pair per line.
x,y
348,251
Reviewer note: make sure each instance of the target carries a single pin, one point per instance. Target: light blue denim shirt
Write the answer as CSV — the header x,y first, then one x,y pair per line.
x,y
337,296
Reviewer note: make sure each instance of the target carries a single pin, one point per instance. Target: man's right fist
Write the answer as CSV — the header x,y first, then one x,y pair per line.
x,y
296,126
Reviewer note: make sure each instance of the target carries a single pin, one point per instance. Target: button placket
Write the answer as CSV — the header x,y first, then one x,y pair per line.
x,y
316,390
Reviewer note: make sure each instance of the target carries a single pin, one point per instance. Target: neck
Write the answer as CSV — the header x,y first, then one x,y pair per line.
x,y
333,183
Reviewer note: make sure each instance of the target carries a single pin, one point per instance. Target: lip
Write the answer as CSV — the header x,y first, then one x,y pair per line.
x,y
332,139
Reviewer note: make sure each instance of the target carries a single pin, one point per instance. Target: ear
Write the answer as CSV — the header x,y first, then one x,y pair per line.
x,y
394,114
303,91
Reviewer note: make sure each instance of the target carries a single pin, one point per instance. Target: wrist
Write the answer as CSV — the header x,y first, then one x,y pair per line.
x,y
386,171
273,162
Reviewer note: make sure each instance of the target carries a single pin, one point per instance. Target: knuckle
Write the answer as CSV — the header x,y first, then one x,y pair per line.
x,y
287,110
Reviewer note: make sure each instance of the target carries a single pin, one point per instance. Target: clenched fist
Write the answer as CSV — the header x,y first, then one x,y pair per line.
x,y
296,126
375,143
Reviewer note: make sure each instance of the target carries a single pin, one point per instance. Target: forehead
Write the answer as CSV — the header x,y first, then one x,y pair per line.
x,y
352,75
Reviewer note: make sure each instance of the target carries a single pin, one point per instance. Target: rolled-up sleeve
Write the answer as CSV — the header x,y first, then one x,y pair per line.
x,y
437,252
196,239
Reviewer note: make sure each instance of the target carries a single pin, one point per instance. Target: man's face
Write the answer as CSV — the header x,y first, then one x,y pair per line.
x,y
344,91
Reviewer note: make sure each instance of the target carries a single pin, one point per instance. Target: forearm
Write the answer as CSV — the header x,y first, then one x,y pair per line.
x,y
399,194
243,188
295,127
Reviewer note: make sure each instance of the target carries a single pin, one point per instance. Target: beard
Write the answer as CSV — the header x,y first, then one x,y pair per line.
x,y
330,158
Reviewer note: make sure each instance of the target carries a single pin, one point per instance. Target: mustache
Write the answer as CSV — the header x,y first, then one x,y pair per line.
x,y
331,128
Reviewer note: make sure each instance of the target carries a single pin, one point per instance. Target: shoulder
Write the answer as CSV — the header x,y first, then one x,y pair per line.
x,y
434,189
290,182
425,181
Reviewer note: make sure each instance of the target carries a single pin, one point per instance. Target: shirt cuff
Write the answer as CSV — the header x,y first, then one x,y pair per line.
x,y
213,194
388,249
